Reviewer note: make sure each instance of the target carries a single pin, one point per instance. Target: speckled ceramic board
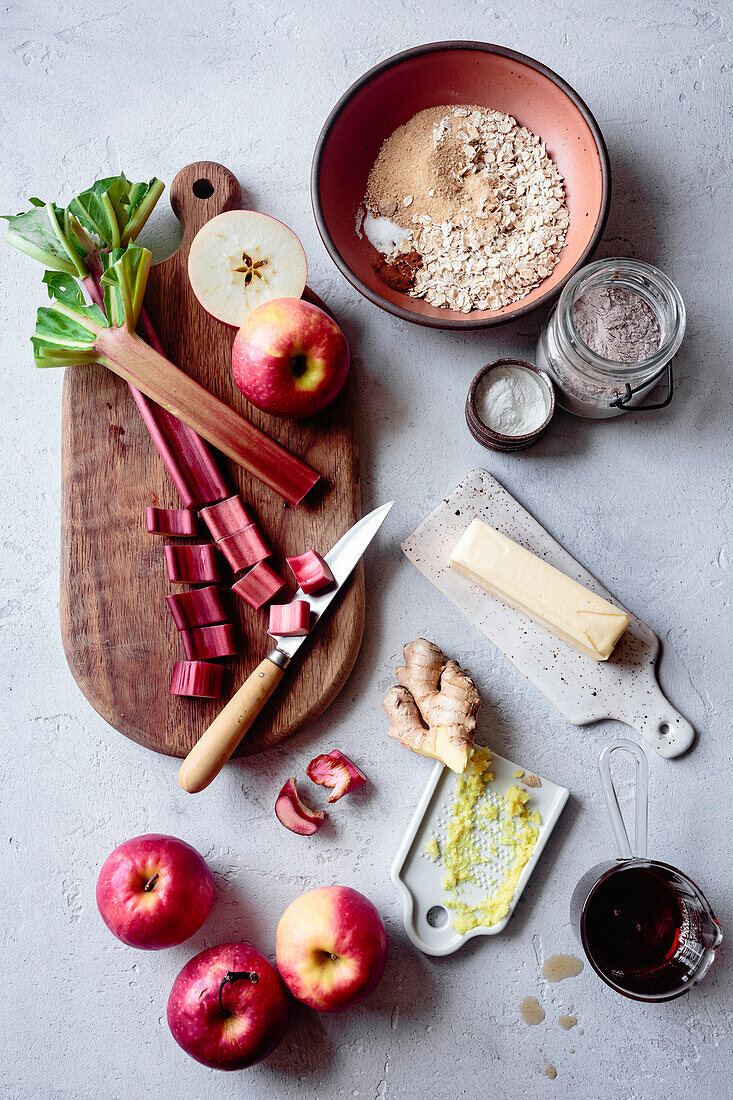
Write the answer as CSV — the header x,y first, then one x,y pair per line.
x,y
624,687
418,876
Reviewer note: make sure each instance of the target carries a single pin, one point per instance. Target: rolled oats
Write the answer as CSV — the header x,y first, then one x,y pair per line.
x,y
503,218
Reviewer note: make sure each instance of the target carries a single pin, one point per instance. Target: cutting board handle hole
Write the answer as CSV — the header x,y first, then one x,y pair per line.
x,y
664,729
437,917
203,189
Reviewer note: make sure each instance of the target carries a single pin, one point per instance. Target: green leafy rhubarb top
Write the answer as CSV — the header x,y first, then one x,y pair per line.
x,y
91,238
114,210
67,330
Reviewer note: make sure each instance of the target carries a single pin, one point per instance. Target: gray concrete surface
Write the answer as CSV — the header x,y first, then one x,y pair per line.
x,y
643,501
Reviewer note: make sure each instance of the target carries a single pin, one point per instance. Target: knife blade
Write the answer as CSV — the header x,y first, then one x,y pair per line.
x,y
218,742
341,559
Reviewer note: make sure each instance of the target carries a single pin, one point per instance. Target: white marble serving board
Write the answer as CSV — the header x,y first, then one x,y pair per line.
x,y
624,687
418,876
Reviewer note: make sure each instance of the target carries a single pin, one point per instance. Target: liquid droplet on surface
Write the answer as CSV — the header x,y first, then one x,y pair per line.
x,y
531,1011
558,967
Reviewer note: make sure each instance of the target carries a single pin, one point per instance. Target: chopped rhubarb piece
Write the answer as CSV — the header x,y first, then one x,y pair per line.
x,y
310,571
335,770
204,642
290,620
175,522
192,564
226,518
202,679
201,607
245,548
294,814
259,585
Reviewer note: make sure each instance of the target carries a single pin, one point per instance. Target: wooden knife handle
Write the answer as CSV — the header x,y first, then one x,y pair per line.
x,y
218,742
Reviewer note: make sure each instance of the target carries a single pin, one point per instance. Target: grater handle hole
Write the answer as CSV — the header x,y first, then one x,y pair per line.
x,y
437,916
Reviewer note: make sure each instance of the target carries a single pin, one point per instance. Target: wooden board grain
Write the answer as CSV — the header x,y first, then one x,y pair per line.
x,y
119,639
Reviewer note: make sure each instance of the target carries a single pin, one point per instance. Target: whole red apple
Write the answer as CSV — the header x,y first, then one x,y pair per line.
x,y
154,891
228,1008
331,947
290,358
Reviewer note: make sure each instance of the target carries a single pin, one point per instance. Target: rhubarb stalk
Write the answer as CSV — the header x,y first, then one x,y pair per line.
x,y
70,332
186,457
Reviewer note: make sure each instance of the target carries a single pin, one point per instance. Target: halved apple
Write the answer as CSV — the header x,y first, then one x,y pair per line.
x,y
240,259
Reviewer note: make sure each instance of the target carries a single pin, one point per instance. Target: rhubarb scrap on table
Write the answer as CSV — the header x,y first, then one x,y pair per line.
x,y
335,770
293,813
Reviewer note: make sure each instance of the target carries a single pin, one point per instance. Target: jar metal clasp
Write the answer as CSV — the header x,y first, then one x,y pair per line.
x,y
621,401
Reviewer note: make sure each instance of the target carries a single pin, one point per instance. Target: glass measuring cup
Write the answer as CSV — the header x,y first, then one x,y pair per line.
x,y
646,929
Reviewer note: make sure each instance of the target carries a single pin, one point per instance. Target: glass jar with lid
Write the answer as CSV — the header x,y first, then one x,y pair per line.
x,y
587,383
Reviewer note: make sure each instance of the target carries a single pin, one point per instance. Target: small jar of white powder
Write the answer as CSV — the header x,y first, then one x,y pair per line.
x,y
509,405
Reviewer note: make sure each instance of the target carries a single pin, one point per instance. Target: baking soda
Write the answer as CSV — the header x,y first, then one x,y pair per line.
x,y
512,401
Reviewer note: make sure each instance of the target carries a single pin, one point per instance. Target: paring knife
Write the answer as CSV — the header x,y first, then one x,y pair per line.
x,y
216,745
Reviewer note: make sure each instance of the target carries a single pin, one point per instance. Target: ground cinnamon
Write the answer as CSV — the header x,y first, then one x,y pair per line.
x,y
399,274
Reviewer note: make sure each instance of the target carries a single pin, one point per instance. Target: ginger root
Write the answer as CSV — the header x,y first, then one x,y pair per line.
x,y
433,710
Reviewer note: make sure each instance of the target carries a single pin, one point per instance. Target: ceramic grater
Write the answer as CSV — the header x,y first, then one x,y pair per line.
x,y
418,876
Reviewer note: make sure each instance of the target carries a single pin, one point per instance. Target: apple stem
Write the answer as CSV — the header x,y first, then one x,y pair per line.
x,y
230,978
151,882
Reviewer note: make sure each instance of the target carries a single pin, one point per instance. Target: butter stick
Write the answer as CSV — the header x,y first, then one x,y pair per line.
x,y
536,589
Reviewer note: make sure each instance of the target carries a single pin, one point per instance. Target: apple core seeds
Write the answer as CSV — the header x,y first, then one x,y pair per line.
x,y
480,203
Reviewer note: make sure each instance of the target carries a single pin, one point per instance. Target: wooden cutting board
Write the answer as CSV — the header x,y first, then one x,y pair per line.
x,y
119,638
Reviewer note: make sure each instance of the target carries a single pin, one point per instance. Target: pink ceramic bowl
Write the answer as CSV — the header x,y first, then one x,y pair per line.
x,y
456,72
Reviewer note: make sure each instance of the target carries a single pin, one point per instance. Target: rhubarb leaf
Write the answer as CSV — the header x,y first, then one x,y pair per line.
x,y
142,200
64,288
124,280
45,233
98,210
66,331
114,210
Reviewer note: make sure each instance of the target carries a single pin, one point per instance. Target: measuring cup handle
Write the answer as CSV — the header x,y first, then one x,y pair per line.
x,y
641,802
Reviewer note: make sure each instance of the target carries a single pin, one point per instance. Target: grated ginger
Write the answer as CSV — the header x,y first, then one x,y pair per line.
x,y
432,847
460,855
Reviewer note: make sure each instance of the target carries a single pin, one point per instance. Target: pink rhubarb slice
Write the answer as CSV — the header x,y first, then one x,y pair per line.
x,y
174,522
290,620
199,679
259,585
201,607
192,564
245,548
204,642
333,769
311,572
226,518
293,813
